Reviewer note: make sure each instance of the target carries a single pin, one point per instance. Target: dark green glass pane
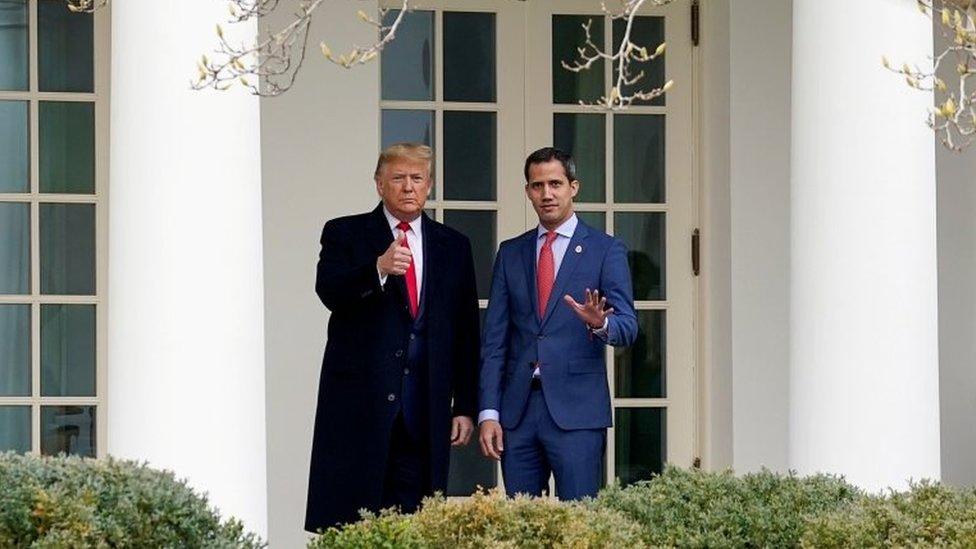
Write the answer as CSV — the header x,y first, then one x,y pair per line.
x,y
597,220
567,36
14,45
584,136
639,370
469,56
65,48
638,158
67,350
67,147
406,63
15,358
644,234
646,32
14,146
68,430
479,227
15,429
68,249
469,470
640,444
469,155
14,248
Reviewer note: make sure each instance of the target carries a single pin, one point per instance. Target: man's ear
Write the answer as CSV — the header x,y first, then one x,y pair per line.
x,y
575,185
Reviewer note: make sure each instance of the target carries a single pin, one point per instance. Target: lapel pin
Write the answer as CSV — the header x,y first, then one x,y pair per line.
x,y
579,249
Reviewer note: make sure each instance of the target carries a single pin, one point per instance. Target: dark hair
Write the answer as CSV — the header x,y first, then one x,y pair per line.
x,y
545,154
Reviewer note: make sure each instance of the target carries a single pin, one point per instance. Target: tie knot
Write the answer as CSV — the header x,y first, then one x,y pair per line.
x,y
550,236
404,226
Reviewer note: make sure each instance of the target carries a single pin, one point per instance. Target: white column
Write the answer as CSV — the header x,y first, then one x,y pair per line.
x,y
864,350
186,340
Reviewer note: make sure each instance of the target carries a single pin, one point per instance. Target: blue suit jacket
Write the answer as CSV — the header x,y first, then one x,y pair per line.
x,y
572,362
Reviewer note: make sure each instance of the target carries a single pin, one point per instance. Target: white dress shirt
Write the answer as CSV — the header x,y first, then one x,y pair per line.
x,y
415,239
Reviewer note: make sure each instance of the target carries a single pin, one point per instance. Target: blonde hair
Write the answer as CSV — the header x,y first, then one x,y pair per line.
x,y
406,151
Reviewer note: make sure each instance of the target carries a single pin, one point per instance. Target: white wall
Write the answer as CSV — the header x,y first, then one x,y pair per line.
x,y
760,61
957,306
319,146
716,434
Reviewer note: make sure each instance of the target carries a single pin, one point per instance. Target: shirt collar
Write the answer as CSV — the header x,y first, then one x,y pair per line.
x,y
393,221
566,229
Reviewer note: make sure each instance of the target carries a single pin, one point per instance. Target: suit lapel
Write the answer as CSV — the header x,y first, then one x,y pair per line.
x,y
433,254
528,263
568,266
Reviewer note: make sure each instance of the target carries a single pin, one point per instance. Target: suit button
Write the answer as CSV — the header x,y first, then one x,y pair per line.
x,y
406,371
391,397
542,336
399,353
412,337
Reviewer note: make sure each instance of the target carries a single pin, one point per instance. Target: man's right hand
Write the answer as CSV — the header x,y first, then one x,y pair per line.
x,y
396,259
490,436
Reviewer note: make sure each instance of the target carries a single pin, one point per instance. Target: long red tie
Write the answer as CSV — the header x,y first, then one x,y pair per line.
x,y
545,273
411,274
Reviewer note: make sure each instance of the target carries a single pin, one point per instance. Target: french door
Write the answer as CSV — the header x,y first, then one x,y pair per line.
x,y
482,82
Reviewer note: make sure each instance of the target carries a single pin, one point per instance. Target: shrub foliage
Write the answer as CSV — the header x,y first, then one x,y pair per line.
x,y
70,502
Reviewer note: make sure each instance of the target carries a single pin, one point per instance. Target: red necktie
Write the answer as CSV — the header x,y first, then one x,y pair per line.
x,y
545,273
411,274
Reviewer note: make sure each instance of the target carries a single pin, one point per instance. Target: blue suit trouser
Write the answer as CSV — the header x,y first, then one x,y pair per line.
x,y
538,447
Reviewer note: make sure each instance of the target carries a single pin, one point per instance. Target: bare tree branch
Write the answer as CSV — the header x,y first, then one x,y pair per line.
x,y
85,6
626,54
954,117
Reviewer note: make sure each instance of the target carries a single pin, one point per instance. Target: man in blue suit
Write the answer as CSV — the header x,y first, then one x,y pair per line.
x,y
559,294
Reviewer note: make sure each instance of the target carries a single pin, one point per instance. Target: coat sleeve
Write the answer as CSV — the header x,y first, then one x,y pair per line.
x,y
495,340
618,289
467,343
340,282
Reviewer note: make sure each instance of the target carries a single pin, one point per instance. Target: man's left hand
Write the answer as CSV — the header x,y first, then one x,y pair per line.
x,y
461,429
591,311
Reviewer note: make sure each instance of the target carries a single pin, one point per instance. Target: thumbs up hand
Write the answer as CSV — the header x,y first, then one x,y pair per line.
x,y
396,259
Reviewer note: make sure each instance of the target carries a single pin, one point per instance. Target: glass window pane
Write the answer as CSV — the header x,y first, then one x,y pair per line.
x,y
15,429
639,369
638,158
68,249
67,147
401,126
68,429
14,248
67,350
640,443
567,36
469,470
479,227
469,155
15,358
469,56
406,63
597,220
13,45
584,136
646,32
65,48
644,235
14,145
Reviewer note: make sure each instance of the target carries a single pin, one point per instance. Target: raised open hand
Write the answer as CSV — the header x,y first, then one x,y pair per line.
x,y
591,311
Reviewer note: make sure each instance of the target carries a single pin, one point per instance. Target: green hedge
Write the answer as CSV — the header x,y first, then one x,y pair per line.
x,y
73,502
683,508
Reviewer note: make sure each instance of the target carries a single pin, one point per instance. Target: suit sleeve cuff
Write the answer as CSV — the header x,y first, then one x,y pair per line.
x,y
486,415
